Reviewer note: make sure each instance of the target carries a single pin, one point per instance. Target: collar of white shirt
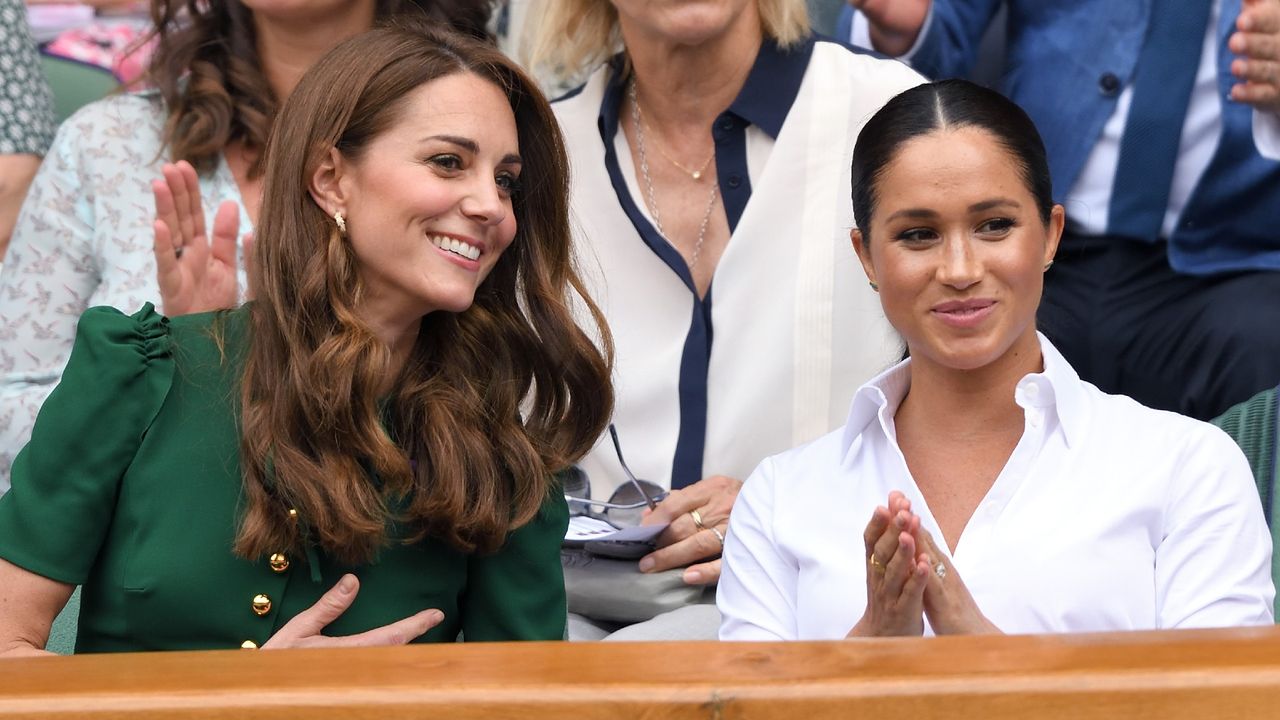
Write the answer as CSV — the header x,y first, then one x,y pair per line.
x,y
1057,392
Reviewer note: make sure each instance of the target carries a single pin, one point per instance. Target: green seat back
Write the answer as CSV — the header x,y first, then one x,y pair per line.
x,y
62,636
75,84
1252,424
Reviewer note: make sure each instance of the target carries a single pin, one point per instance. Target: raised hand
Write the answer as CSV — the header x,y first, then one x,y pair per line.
x,y
196,273
1257,43
894,24
305,628
690,539
896,572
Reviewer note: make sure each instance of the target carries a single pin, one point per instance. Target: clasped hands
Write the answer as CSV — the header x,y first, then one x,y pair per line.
x,y
905,584
693,540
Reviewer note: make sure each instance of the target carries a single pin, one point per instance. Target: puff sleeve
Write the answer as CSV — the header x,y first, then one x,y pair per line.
x,y
65,481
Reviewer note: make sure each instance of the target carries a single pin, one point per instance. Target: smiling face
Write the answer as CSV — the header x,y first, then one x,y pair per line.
x,y
958,248
428,203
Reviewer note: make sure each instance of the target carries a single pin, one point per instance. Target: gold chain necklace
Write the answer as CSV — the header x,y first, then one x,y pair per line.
x,y
648,181
695,174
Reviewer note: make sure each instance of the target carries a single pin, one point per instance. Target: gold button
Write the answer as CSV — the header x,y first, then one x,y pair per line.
x,y
293,515
261,605
279,562
248,645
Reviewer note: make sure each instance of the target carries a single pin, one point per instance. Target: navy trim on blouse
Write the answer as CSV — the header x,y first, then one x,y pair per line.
x,y
766,99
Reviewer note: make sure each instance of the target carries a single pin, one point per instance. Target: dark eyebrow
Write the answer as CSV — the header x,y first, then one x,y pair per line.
x,y
927,214
465,143
473,147
993,203
914,213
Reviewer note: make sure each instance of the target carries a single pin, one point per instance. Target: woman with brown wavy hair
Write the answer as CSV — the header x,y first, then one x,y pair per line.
x,y
85,234
386,417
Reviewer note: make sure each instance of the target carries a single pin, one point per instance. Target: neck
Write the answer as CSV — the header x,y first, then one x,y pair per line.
x,y
397,331
289,46
687,86
948,403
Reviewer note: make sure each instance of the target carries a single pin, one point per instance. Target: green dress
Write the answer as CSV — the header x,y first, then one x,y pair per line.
x,y
130,487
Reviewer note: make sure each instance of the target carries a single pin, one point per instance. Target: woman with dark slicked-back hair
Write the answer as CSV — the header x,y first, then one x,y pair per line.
x,y
85,235
1004,494
366,452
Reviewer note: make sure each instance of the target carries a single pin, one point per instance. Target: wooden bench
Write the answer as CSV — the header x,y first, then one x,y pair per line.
x,y
1167,675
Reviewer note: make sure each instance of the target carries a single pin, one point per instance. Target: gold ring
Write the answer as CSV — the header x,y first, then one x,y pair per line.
x,y
875,564
719,536
697,519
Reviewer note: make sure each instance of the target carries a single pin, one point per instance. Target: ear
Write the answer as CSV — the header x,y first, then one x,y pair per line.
x,y
328,186
864,254
1057,222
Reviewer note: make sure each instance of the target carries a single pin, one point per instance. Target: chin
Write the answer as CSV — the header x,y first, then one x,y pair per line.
x,y
966,354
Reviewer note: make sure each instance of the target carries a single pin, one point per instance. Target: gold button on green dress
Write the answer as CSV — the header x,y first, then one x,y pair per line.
x,y
130,487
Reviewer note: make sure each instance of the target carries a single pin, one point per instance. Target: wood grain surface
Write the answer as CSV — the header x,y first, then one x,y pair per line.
x,y
1167,675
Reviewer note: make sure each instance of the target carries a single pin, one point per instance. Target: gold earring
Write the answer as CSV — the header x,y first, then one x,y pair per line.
x,y
342,223
873,285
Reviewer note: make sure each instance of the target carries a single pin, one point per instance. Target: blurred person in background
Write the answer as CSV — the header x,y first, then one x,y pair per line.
x,y
26,115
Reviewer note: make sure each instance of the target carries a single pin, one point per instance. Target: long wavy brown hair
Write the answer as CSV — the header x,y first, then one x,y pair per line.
x,y
491,402
207,69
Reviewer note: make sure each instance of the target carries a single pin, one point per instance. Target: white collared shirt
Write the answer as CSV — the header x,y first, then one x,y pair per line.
x,y
1108,516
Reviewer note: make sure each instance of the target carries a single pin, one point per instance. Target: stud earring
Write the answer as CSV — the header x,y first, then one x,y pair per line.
x,y
873,285
342,223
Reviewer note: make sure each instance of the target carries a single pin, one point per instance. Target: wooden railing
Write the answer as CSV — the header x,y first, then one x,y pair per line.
x,y
1230,674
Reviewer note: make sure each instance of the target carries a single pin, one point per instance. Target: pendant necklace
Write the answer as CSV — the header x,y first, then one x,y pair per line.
x,y
648,181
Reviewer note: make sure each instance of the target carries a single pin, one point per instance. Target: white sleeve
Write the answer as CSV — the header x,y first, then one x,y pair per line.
x,y
1213,564
49,273
1266,133
757,591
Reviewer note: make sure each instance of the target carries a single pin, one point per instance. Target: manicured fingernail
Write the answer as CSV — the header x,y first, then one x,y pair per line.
x,y
435,616
692,577
347,584
646,564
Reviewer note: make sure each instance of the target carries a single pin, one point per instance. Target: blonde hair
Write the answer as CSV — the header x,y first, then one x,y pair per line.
x,y
568,38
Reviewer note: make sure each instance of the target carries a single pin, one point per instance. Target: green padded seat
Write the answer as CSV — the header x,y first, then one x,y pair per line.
x,y
75,84
1252,424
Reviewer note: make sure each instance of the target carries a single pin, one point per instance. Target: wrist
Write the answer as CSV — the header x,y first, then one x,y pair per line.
x,y
891,43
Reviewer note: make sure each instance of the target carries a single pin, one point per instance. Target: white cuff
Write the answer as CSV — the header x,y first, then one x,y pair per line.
x,y
1266,134
860,34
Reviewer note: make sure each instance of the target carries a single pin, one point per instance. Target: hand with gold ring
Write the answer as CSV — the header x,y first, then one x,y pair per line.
x,y
948,603
896,573
697,518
